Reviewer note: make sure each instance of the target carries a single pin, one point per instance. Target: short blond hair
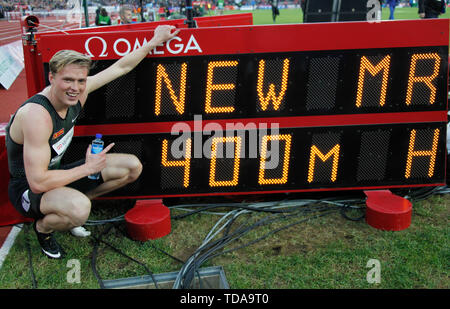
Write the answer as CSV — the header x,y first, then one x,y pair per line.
x,y
65,57
123,9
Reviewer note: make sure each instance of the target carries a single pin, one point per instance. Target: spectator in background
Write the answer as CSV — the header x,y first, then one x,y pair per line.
x,y
275,11
431,8
392,4
303,6
103,18
126,15
220,7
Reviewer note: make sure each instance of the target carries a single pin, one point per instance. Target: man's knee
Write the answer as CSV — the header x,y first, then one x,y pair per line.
x,y
79,210
126,167
135,168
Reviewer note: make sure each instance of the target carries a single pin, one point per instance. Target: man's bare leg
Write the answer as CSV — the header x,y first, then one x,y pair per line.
x,y
121,169
64,208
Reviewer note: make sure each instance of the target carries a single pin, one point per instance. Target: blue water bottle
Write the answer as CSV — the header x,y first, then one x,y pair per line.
x,y
96,147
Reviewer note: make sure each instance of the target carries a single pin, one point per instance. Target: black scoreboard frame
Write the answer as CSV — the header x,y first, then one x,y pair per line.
x,y
334,110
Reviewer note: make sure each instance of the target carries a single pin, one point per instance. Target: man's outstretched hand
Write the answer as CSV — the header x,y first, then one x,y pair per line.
x,y
164,33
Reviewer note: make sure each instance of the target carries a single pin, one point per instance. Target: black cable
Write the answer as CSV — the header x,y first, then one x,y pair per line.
x,y
169,255
203,257
193,212
344,210
265,221
182,262
271,233
99,240
238,205
194,266
417,194
422,193
209,254
166,253
94,257
30,259
206,252
229,225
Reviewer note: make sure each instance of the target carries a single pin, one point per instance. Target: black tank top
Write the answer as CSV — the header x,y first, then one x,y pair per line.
x,y
58,141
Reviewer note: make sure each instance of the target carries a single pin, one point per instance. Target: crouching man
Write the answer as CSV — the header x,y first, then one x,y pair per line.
x,y
59,197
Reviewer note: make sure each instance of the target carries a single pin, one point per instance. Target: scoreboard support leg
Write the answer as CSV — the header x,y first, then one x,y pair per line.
x,y
148,219
387,211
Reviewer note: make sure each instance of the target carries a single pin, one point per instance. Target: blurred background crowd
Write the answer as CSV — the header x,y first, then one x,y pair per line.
x,y
16,5
163,8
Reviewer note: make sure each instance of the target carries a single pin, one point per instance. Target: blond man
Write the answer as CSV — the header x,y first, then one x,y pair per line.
x,y
59,197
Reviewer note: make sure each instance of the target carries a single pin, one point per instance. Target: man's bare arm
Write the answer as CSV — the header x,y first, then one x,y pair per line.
x,y
130,61
37,127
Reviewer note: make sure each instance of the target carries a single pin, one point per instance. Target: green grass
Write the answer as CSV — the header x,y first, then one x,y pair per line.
x,y
293,16
333,253
328,252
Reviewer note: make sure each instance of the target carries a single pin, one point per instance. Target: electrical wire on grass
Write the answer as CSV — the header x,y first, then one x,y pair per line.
x,y
30,258
95,254
201,256
275,211
240,231
204,208
105,221
210,248
97,241
420,194
412,194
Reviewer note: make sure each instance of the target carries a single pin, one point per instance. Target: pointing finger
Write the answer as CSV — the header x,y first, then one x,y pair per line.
x,y
175,32
108,148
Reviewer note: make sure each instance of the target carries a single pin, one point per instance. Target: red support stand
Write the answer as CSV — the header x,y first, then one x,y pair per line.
x,y
387,211
148,219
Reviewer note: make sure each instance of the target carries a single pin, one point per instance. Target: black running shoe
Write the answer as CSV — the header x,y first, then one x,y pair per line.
x,y
49,246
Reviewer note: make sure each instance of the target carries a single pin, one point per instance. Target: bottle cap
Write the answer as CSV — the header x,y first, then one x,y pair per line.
x,y
98,135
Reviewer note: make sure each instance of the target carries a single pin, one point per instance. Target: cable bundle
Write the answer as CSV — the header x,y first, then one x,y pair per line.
x,y
296,211
212,246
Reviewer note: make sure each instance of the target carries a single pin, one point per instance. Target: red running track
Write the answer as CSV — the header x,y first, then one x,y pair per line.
x,y
10,32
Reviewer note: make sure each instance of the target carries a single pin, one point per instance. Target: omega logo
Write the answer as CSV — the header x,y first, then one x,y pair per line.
x,y
123,46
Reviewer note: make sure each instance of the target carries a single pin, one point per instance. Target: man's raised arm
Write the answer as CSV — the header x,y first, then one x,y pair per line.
x,y
130,61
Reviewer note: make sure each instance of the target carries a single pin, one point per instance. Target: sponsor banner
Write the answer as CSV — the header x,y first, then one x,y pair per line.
x,y
11,63
249,39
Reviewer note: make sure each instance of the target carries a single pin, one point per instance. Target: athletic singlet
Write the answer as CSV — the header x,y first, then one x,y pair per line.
x,y
59,140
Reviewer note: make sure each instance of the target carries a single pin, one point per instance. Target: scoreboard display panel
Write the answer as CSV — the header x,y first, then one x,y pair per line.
x,y
264,109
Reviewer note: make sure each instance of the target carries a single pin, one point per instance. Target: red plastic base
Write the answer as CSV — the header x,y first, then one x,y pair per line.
x,y
148,219
387,211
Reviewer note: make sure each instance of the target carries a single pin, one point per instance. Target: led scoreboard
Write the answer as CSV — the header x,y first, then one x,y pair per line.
x,y
263,109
